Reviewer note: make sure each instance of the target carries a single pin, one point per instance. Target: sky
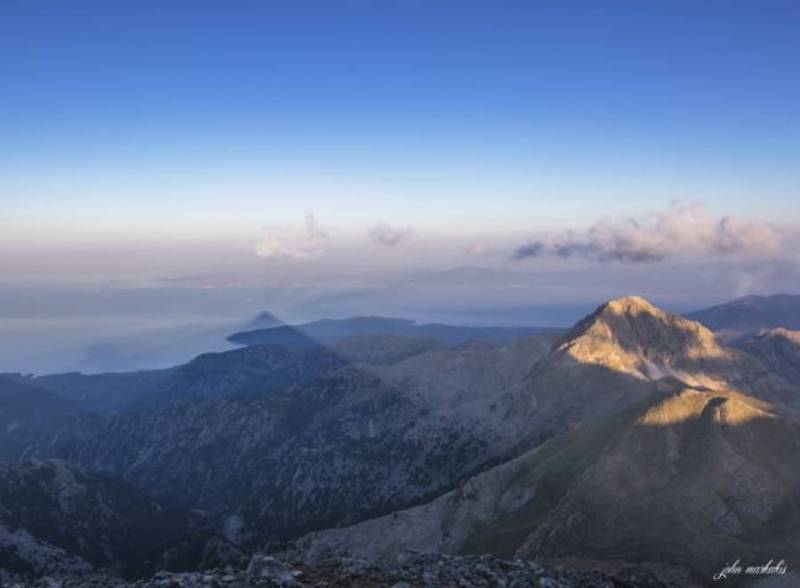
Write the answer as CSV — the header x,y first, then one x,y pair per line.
x,y
334,143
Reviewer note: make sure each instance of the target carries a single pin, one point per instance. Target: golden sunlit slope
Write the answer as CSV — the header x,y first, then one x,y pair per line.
x,y
677,454
690,476
630,336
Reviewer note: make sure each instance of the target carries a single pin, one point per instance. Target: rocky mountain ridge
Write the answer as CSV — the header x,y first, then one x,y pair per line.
x,y
309,436
314,432
412,569
26,413
58,518
329,331
379,443
778,349
751,314
685,476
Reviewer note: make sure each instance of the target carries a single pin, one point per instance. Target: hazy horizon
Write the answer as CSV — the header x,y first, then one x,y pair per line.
x,y
332,159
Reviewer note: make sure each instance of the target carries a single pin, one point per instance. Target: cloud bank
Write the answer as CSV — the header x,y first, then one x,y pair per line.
x,y
680,230
305,244
389,236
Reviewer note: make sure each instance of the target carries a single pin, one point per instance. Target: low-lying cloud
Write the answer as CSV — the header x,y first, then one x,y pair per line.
x,y
304,244
389,236
680,230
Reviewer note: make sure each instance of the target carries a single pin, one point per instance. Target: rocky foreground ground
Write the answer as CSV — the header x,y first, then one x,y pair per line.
x,y
413,569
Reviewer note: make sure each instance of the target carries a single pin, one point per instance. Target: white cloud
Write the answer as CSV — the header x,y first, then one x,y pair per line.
x,y
389,236
307,243
680,230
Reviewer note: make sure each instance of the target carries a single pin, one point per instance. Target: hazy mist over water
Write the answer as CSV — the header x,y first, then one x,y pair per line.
x,y
134,323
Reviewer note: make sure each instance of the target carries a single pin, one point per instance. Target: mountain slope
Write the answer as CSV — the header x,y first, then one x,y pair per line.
x,y
384,349
631,336
778,349
278,441
26,413
752,314
53,513
685,476
328,331
712,466
103,393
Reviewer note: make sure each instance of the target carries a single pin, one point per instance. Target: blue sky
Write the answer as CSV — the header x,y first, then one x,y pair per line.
x,y
218,117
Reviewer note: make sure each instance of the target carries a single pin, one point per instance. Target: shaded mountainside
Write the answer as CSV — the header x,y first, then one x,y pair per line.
x,y
692,477
751,314
27,413
279,441
55,516
778,349
712,463
384,349
254,370
328,331
103,393
686,477
517,440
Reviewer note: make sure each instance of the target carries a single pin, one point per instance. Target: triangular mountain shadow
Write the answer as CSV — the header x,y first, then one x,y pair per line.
x,y
264,320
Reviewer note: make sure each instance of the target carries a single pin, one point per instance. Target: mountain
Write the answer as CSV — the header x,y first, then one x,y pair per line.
x,y
278,441
328,331
686,477
751,314
425,570
778,349
384,349
311,433
103,393
264,320
56,517
153,348
161,347
28,412
608,361
680,451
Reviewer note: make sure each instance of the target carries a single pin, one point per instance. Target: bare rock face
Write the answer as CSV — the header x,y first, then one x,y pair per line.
x,y
411,569
23,556
629,335
632,336
266,569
